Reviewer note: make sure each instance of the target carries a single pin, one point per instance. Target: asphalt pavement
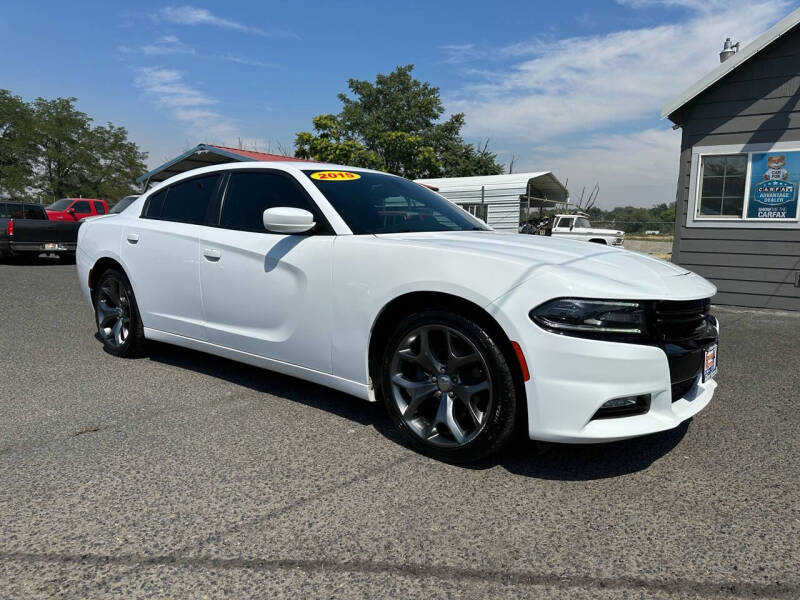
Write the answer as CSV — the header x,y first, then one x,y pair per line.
x,y
184,475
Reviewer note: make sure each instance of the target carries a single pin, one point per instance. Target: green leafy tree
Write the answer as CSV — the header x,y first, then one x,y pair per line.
x,y
394,124
16,148
51,150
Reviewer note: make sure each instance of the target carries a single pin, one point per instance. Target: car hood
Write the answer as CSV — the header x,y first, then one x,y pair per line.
x,y
578,267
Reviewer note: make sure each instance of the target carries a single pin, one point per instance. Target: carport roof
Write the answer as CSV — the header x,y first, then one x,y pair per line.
x,y
542,184
205,155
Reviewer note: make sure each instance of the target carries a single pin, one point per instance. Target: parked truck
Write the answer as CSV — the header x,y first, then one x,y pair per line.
x,y
578,227
26,229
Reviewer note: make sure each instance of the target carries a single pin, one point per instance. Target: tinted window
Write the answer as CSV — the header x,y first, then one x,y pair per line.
x,y
248,195
34,212
152,209
187,202
379,203
99,208
60,204
15,210
3,211
82,207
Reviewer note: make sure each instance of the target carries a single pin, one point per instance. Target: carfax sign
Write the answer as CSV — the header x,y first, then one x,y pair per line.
x,y
774,178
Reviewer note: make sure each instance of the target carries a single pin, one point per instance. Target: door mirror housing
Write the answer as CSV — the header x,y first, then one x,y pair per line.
x,y
285,219
71,210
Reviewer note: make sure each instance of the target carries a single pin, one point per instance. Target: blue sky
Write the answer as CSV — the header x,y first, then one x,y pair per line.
x,y
572,86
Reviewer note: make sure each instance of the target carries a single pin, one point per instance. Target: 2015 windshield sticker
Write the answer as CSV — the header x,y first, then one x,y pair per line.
x,y
335,175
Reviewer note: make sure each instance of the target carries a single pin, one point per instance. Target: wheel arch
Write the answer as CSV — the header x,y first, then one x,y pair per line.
x,y
100,266
406,304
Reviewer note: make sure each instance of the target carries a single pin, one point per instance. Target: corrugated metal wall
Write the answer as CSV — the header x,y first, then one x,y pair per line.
x,y
757,103
503,204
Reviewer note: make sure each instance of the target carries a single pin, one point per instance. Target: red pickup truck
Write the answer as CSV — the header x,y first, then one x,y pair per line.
x,y
75,209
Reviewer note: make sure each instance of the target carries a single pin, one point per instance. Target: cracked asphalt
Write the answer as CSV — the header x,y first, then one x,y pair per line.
x,y
184,475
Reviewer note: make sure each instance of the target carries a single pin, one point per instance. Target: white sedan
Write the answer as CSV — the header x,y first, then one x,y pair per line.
x,y
374,285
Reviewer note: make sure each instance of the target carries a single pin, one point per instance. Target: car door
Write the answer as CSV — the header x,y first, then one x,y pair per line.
x,y
80,210
160,250
267,293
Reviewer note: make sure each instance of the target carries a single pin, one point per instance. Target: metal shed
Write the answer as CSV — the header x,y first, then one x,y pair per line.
x,y
498,199
205,155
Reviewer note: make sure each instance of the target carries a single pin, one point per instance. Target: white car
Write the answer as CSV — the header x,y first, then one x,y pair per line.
x,y
578,227
376,286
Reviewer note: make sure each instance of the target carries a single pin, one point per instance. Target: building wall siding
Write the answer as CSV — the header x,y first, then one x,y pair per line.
x,y
757,103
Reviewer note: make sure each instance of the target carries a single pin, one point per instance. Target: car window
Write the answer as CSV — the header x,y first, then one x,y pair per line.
x,y
372,203
35,212
15,210
154,204
82,207
60,204
3,211
582,222
248,195
99,208
563,222
187,202
123,204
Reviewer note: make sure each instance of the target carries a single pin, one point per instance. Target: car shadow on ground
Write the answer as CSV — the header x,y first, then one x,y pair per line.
x,y
37,260
540,460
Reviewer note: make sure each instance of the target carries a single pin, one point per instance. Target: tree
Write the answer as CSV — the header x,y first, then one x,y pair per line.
x,y
50,150
394,124
16,149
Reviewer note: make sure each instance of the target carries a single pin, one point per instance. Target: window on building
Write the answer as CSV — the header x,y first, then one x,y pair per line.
x,y
722,185
479,211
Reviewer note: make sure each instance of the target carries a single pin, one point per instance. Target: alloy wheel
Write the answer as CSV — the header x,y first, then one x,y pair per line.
x,y
113,312
441,386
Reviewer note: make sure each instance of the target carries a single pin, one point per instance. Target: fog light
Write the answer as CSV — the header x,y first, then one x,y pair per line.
x,y
624,406
620,402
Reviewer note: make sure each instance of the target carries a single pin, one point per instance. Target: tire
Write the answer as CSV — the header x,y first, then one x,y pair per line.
x,y
456,401
119,325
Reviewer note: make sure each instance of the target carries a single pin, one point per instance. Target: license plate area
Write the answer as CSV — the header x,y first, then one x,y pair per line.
x,y
54,246
710,363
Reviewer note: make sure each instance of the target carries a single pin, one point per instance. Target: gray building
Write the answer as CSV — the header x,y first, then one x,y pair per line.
x,y
737,200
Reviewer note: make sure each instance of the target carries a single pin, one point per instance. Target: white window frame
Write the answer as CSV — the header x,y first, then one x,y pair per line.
x,y
692,218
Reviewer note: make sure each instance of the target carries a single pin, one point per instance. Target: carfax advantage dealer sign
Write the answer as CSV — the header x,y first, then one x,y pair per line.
x,y
774,178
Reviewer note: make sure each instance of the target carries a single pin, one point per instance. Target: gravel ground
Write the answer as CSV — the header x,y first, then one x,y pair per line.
x,y
184,475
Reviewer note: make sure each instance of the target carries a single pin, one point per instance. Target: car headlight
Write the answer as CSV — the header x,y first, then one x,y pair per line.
x,y
583,317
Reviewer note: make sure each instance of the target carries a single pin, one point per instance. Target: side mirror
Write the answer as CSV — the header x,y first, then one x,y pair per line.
x,y
284,219
71,210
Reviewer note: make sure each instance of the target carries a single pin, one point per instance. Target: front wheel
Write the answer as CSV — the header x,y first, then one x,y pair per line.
x,y
117,315
448,387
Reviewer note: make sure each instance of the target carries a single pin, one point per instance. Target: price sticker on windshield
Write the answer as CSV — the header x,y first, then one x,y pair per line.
x,y
335,175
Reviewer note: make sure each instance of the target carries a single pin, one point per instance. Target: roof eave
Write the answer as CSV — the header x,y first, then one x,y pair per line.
x,y
753,48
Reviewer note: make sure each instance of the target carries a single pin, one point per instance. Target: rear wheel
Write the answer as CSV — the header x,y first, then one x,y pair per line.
x,y
117,315
448,387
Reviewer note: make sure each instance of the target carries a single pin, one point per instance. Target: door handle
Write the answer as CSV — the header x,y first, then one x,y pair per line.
x,y
133,238
212,254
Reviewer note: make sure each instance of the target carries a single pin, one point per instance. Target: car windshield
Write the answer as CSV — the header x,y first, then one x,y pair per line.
x,y
373,203
122,205
60,204
582,222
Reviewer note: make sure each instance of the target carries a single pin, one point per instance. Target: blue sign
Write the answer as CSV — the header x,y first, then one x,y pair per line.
x,y
774,178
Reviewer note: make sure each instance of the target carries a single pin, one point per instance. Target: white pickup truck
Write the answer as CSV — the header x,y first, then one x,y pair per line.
x,y
578,227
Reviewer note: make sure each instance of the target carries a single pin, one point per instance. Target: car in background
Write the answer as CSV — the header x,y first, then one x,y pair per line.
x,y
26,229
76,209
578,227
122,205
378,287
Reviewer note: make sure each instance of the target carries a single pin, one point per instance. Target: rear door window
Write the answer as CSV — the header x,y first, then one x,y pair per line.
x,y
82,207
248,195
35,212
152,209
98,208
188,201
15,210
4,214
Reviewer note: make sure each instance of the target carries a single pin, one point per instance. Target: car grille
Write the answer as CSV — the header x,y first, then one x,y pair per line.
x,y
680,321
